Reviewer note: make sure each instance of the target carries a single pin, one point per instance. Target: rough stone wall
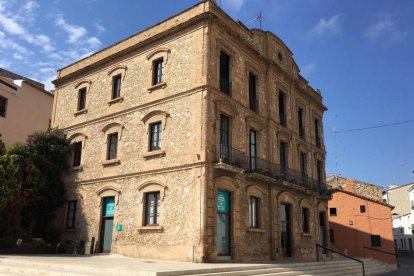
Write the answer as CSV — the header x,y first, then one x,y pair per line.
x,y
175,171
360,188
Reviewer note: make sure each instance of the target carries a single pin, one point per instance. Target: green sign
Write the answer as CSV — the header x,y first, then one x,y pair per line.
x,y
223,202
119,227
109,207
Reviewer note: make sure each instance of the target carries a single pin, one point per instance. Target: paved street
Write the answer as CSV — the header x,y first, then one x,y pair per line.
x,y
406,268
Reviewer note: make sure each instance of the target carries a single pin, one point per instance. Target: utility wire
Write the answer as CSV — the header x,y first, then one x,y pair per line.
x,y
372,127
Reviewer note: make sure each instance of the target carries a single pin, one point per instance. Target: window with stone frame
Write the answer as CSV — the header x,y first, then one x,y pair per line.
x,y
301,122
282,109
82,99
253,150
158,71
254,212
317,127
116,86
112,150
253,101
77,154
71,214
225,82
152,208
305,220
155,136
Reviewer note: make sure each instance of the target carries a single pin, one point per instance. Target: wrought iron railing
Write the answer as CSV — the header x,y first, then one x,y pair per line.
x,y
228,155
318,246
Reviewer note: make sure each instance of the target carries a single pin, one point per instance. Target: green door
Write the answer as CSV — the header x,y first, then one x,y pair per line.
x,y
107,223
223,223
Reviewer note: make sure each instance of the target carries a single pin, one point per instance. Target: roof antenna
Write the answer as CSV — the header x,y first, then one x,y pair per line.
x,y
259,18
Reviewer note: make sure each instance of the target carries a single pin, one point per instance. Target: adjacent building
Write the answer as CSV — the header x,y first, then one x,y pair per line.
x,y
402,197
25,107
359,221
196,139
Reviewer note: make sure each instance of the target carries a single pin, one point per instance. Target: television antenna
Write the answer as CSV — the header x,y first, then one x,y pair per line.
x,y
259,18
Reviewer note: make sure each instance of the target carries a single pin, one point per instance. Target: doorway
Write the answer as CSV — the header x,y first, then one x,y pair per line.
x,y
223,219
286,229
322,230
107,226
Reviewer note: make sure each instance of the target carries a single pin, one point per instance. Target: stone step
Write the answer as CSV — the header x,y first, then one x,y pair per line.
x,y
33,271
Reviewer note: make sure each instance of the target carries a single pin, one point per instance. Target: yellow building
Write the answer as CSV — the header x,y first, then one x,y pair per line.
x,y
25,107
197,140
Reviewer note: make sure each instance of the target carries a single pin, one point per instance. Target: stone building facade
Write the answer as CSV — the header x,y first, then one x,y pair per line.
x,y
195,140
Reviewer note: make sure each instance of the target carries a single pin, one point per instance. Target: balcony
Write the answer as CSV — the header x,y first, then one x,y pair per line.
x,y
224,154
227,155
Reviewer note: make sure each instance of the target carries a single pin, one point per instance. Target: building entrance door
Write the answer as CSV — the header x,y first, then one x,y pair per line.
x,y
322,231
108,212
223,223
285,229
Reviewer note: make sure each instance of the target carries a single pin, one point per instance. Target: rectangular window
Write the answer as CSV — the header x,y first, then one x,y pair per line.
x,y
77,153
283,159
376,240
253,150
319,174
254,212
116,87
81,99
112,146
362,209
317,133
332,211
152,208
225,73
303,167
224,137
71,215
3,106
301,123
305,220
158,71
252,92
282,109
155,136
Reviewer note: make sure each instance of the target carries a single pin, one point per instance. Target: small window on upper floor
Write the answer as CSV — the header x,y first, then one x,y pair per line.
x,y
301,125
155,136
254,212
317,133
362,209
3,106
282,109
158,71
77,154
112,151
253,102
305,220
81,99
225,83
116,87
332,211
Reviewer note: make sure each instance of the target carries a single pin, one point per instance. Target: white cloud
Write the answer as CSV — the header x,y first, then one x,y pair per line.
x,y
30,7
94,42
329,26
385,28
75,32
10,44
11,26
307,69
18,56
234,5
101,29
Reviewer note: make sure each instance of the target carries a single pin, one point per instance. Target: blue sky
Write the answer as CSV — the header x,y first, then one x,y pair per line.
x,y
358,53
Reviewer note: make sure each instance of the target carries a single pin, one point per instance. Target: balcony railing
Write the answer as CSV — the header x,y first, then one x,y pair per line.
x,y
228,155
